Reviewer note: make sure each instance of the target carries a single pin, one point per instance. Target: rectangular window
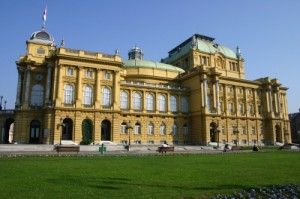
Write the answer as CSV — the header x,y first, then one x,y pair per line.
x,y
244,130
106,75
204,60
223,130
70,71
230,107
41,51
185,130
229,89
123,128
253,130
89,74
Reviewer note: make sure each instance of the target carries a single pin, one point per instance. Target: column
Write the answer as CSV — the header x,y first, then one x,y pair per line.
x,y
59,86
48,83
20,77
27,88
168,103
278,101
79,87
116,89
217,96
204,91
270,100
98,88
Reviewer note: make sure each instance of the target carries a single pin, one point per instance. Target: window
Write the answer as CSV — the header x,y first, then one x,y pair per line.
x,y
249,92
150,141
241,108
70,71
87,95
123,128
174,129
150,102
184,104
163,129
106,75
68,94
137,101
229,89
89,73
244,130
240,90
106,96
223,130
37,93
253,130
208,101
150,128
137,128
124,100
204,60
230,107
234,129
233,66
161,103
173,103
250,108
185,129
221,105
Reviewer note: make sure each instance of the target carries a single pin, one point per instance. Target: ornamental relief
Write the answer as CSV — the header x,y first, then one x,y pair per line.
x,y
69,79
88,81
106,82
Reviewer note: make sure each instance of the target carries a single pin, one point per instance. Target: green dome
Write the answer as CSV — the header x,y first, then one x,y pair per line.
x,y
150,64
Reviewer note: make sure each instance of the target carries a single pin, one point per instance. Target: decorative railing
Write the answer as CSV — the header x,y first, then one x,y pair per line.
x,y
144,84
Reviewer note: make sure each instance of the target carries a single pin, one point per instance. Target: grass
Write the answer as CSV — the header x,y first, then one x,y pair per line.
x,y
191,176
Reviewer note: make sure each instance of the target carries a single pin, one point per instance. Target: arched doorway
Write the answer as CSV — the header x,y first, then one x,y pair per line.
x,y
213,134
7,127
67,129
87,131
105,130
34,134
278,133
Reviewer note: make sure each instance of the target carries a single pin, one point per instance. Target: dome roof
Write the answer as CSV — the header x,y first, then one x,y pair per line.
x,y
202,43
150,64
42,36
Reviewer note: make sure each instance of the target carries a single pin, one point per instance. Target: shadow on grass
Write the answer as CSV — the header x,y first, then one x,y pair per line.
x,y
111,183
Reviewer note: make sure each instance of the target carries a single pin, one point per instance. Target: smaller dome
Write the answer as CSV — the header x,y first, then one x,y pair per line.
x,y
135,53
42,36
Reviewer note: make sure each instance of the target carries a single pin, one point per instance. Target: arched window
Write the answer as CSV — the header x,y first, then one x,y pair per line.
x,y
184,104
137,101
150,128
137,128
37,95
124,100
87,95
68,94
106,96
173,102
174,129
161,103
163,129
150,102
123,128
208,101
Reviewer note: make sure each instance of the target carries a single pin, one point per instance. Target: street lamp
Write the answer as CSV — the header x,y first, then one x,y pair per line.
x,y
235,130
61,131
217,131
1,97
128,127
5,105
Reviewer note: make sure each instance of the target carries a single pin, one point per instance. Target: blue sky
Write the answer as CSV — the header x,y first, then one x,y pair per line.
x,y
267,31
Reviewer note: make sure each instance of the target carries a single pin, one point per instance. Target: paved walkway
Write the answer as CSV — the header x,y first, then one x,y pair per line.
x,y
44,149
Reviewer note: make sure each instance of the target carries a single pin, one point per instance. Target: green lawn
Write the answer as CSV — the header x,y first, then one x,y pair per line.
x,y
178,176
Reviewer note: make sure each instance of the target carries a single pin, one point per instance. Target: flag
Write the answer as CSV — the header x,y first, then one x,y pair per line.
x,y
45,14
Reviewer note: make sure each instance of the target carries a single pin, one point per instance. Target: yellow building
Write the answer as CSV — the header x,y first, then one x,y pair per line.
x,y
197,95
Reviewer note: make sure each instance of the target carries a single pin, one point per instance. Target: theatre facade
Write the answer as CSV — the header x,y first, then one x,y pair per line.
x,y
198,94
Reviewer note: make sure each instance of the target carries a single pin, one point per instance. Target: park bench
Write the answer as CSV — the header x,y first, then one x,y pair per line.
x,y
236,148
65,148
165,149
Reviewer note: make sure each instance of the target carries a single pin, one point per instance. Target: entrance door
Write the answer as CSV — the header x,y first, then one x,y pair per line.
x,y
67,129
35,127
105,130
7,126
213,134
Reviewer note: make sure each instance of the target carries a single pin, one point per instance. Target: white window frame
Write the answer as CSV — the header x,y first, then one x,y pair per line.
x,y
106,96
137,101
124,100
151,128
68,94
87,95
163,129
150,102
162,102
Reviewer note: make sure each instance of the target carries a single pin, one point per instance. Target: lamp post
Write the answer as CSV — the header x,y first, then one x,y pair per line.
x,y
1,97
5,105
129,126
61,131
217,131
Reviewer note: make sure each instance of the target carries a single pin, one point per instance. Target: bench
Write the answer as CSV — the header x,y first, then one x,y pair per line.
x,y
236,148
165,149
64,148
